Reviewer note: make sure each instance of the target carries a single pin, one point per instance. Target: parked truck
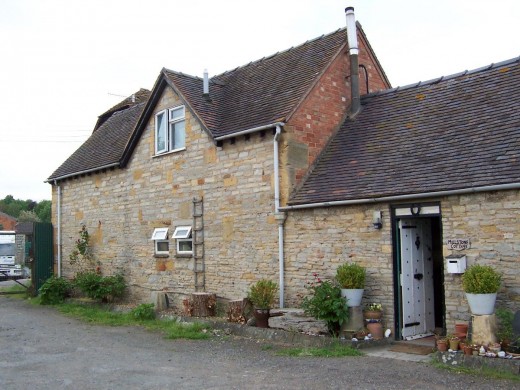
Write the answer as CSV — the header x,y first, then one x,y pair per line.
x,y
8,267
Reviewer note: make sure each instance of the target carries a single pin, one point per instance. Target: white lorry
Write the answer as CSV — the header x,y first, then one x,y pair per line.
x,y
8,267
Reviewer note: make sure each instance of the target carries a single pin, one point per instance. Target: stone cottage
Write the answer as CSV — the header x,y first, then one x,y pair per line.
x,y
277,169
424,176
179,187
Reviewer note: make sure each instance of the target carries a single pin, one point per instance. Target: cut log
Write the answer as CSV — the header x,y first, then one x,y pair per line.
x,y
203,304
235,311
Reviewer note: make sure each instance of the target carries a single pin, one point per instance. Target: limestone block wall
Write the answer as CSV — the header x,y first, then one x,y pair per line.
x,y
122,207
319,240
492,222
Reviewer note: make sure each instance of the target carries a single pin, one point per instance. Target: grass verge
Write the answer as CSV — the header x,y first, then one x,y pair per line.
x,y
15,291
336,350
96,314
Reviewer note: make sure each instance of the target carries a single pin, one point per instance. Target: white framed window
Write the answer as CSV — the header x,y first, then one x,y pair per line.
x,y
170,132
161,243
184,240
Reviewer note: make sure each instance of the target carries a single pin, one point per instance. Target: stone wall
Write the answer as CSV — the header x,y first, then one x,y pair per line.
x,y
318,240
122,207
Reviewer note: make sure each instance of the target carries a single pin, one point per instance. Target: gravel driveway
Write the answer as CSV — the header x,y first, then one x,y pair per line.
x,y
40,348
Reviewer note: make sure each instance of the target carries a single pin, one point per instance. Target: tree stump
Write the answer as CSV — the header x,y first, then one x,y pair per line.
x,y
203,304
235,311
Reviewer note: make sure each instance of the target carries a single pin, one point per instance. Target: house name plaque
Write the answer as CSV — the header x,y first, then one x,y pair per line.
x,y
459,244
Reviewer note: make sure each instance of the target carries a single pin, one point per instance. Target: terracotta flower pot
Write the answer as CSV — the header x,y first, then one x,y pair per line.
x,y
442,345
372,314
468,350
376,328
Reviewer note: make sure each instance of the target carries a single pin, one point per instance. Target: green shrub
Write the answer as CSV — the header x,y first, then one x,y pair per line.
x,y
326,303
262,294
54,291
100,288
480,279
144,311
351,276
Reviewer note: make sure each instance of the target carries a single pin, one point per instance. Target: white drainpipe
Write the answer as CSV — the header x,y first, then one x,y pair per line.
x,y
58,212
280,216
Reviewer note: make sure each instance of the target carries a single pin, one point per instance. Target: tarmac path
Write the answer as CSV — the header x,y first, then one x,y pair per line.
x,y
40,348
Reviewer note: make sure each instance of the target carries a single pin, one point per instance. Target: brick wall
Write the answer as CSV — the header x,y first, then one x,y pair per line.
x,y
322,111
7,222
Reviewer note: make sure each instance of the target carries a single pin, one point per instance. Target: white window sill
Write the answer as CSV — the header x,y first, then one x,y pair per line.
x,y
169,152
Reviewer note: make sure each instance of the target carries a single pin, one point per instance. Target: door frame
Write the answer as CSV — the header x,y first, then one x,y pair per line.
x,y
432,211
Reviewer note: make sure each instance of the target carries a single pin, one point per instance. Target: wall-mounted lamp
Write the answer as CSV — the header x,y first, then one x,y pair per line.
x,y
376,220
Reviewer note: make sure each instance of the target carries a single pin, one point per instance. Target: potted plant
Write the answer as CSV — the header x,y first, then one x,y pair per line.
x,y
262,295
442,344
326,303
481,284
373,311
351,278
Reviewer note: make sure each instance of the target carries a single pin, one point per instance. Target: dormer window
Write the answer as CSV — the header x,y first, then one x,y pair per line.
x,y
170,134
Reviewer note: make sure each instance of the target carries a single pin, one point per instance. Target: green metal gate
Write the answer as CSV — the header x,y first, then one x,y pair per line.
x,y
43,263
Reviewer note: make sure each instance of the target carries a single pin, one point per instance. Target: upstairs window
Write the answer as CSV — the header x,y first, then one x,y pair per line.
x,y
170,134
184,240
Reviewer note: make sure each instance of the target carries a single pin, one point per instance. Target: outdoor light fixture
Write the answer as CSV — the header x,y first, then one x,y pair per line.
x,y
376,220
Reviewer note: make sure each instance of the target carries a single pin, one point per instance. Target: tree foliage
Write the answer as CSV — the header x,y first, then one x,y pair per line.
x,y
27,210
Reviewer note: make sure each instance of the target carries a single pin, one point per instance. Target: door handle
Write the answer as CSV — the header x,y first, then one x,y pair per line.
x,y
418,276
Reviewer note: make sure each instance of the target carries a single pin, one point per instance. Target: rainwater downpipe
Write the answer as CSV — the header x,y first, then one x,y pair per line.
x,y
279,216
58,212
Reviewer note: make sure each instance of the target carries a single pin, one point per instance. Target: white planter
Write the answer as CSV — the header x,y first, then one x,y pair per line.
x,y
353,296
481,304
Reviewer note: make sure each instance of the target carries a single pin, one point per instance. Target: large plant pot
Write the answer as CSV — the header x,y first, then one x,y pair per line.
x,y
481,304
376,328
262,318
373,314
353,296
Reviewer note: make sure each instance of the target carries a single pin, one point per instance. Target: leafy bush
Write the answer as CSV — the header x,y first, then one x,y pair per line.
x,y
144,311
54,291
326,303
100,288
480,279
505,324
351,276
262,294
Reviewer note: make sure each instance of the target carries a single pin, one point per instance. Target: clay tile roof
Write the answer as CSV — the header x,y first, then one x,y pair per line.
x,y
261,92
455,132
106,144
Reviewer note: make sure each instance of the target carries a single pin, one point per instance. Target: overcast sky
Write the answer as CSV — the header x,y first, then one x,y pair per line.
x,y
62,61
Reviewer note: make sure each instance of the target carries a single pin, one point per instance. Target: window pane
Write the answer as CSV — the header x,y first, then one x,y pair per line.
x,y
162,246
177,135
176,113
185,246
160,234
160,132
182,232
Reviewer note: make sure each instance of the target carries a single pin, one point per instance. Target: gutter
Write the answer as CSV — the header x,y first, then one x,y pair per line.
x,y
279,216
113,165
462,191
249,131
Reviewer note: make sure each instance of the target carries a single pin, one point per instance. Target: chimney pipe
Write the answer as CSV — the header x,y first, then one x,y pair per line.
x,y
355,105
205,86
